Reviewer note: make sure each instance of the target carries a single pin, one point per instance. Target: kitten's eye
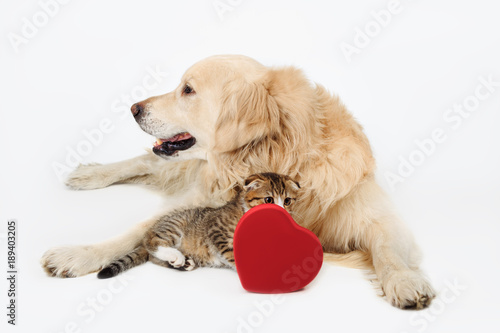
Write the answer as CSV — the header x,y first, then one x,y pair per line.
x,y
269,200
187,90
287,201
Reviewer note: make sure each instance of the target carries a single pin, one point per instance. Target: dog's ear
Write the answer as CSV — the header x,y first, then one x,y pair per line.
x,y
280,98
248,114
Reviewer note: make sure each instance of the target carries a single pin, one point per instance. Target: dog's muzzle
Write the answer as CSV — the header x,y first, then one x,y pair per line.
x,y
165,147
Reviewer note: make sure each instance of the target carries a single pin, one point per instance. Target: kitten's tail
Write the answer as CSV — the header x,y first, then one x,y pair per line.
x,y
354,259
135,258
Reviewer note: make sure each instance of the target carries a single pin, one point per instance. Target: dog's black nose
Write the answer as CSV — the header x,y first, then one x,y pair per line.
x,y
137,109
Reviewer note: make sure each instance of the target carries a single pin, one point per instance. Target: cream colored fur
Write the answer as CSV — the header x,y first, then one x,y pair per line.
x,y
248,118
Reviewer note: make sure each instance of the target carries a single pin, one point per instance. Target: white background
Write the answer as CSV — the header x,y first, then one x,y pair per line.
x,y
92,54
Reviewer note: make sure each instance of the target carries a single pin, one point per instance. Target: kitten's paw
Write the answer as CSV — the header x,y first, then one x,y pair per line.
x,y
87,177
189,265
171,255
70,261
408,290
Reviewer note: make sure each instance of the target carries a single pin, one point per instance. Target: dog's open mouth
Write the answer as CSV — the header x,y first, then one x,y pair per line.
x,y
170,146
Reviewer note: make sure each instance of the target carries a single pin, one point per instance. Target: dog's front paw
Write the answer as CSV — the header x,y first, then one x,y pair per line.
x,y
70,261
87,177
408,289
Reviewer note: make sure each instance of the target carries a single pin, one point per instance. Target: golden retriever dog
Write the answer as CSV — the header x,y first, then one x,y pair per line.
x,y
231,117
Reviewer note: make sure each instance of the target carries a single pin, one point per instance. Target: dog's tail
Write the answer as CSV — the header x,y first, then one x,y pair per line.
x,y
354,259
135,258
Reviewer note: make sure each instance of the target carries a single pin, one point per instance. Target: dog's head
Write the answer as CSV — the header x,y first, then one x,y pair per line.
x,y
222,104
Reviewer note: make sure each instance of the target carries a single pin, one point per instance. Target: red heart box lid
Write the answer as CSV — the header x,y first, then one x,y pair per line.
x,y
272,253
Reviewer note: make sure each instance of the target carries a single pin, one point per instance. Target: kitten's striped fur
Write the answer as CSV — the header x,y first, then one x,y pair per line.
x,y
204,236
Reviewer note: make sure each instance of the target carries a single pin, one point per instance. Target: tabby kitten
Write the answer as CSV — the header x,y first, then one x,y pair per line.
x,y
194,237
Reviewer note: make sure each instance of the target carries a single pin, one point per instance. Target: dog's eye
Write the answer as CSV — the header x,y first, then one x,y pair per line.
x,y
269,200
187,90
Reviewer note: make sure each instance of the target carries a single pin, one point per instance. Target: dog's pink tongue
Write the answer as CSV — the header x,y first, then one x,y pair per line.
x,y
178,137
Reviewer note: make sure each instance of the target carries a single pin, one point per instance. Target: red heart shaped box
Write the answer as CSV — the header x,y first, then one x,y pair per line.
x,y
272,253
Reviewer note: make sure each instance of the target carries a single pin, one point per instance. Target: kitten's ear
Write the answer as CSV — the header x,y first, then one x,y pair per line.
x,y
293,184
253,182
